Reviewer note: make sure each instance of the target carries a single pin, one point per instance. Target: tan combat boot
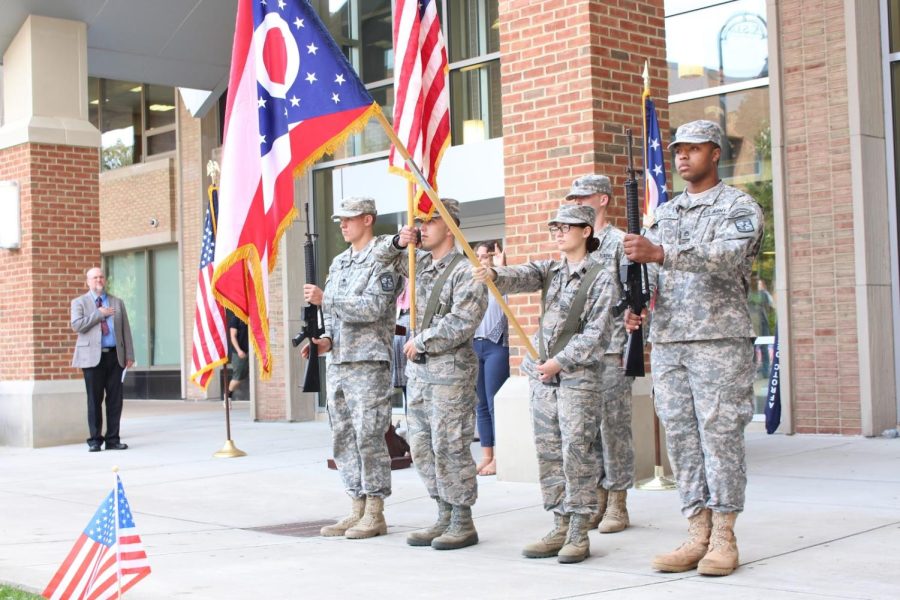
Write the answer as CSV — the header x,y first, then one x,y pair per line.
x,y
722,558
461,532
578,546
341,527
552,543
372,523
602,497
692,550
424,537
616,516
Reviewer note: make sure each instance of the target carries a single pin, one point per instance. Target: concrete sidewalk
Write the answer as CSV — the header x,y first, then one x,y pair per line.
x,y
823,521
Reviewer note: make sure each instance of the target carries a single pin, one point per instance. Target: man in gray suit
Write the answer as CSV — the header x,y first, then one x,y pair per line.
x,y
104,348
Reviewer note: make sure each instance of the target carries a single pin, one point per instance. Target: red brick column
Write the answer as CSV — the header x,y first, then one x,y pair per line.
x,y
60,239
571,75
819,211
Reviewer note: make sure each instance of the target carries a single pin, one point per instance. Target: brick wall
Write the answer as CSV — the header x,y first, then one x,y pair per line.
x,y
131,196
820,217
271,395
571,80
60,240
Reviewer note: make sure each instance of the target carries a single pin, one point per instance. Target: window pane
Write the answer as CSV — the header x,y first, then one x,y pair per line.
x,y
716,46
160,106
166,315
895,107
120,124
161,142
473,28
94,101
894,24
127,278
475,103
376,26
336,16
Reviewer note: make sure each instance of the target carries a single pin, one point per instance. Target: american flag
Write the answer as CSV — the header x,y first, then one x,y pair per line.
x,y
655,192
210,347
421,91
108,558
292,97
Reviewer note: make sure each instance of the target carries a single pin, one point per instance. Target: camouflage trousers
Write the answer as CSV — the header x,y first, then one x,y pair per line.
x,y
441,420
704,397
614,447
565,422
359,408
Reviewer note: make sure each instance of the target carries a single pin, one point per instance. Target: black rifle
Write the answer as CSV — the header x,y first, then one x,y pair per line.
x,y
636,293
311,315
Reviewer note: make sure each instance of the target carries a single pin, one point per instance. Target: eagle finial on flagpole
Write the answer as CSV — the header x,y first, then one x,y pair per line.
x,y
212,171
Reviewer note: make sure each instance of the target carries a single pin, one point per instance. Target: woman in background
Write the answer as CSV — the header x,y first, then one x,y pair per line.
x,y
492,347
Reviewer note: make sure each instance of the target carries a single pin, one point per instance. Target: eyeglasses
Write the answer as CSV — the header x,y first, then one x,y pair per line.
x,y
564,227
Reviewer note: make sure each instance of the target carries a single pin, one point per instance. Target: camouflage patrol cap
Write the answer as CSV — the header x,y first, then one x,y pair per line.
x,y
452,207
590,185
575,215
355,206
698,132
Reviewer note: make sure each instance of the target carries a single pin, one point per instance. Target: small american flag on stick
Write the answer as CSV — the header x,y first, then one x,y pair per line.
x,y
108,558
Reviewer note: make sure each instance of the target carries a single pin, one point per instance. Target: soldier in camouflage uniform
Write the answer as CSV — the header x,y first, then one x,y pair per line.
x,y
440,389
358,309
575,329
700,250
614,440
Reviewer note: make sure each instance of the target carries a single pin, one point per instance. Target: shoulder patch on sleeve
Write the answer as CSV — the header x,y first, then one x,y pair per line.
x,y
744,224
387,282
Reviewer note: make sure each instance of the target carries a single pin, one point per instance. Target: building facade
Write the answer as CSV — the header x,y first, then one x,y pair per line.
x,y
541,93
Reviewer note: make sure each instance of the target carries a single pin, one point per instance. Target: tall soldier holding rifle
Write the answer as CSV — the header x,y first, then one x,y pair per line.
x,y
358,307
613,445
700,250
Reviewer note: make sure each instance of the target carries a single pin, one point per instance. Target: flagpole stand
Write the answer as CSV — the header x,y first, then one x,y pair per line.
x,y
659,482
229,450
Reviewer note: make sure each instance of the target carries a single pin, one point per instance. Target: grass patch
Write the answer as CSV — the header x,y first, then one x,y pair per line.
x,y
11,593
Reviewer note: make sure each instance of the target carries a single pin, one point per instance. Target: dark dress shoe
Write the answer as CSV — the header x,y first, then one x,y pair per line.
x,y
117,446
93,448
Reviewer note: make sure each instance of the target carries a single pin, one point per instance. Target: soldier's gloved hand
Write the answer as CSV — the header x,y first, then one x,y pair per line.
x,y
408,235
312,294
633,322
641,250
548,370
483,274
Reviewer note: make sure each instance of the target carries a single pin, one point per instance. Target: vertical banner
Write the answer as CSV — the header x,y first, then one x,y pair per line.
x,y
773,400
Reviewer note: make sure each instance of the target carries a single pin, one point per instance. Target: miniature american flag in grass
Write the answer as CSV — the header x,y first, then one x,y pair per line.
x,y
108,558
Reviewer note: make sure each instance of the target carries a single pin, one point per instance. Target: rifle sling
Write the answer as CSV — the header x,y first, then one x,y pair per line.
x,y
433,299
573,323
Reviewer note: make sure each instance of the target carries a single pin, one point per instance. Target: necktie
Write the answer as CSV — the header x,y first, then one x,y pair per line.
x,y
104,326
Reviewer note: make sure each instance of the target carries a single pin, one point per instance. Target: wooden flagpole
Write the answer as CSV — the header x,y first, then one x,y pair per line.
x,y
411,222
454,229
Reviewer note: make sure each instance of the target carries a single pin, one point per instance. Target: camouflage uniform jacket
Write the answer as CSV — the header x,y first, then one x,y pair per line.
x,y
611,253
447,343
358,304
710,244
580,358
